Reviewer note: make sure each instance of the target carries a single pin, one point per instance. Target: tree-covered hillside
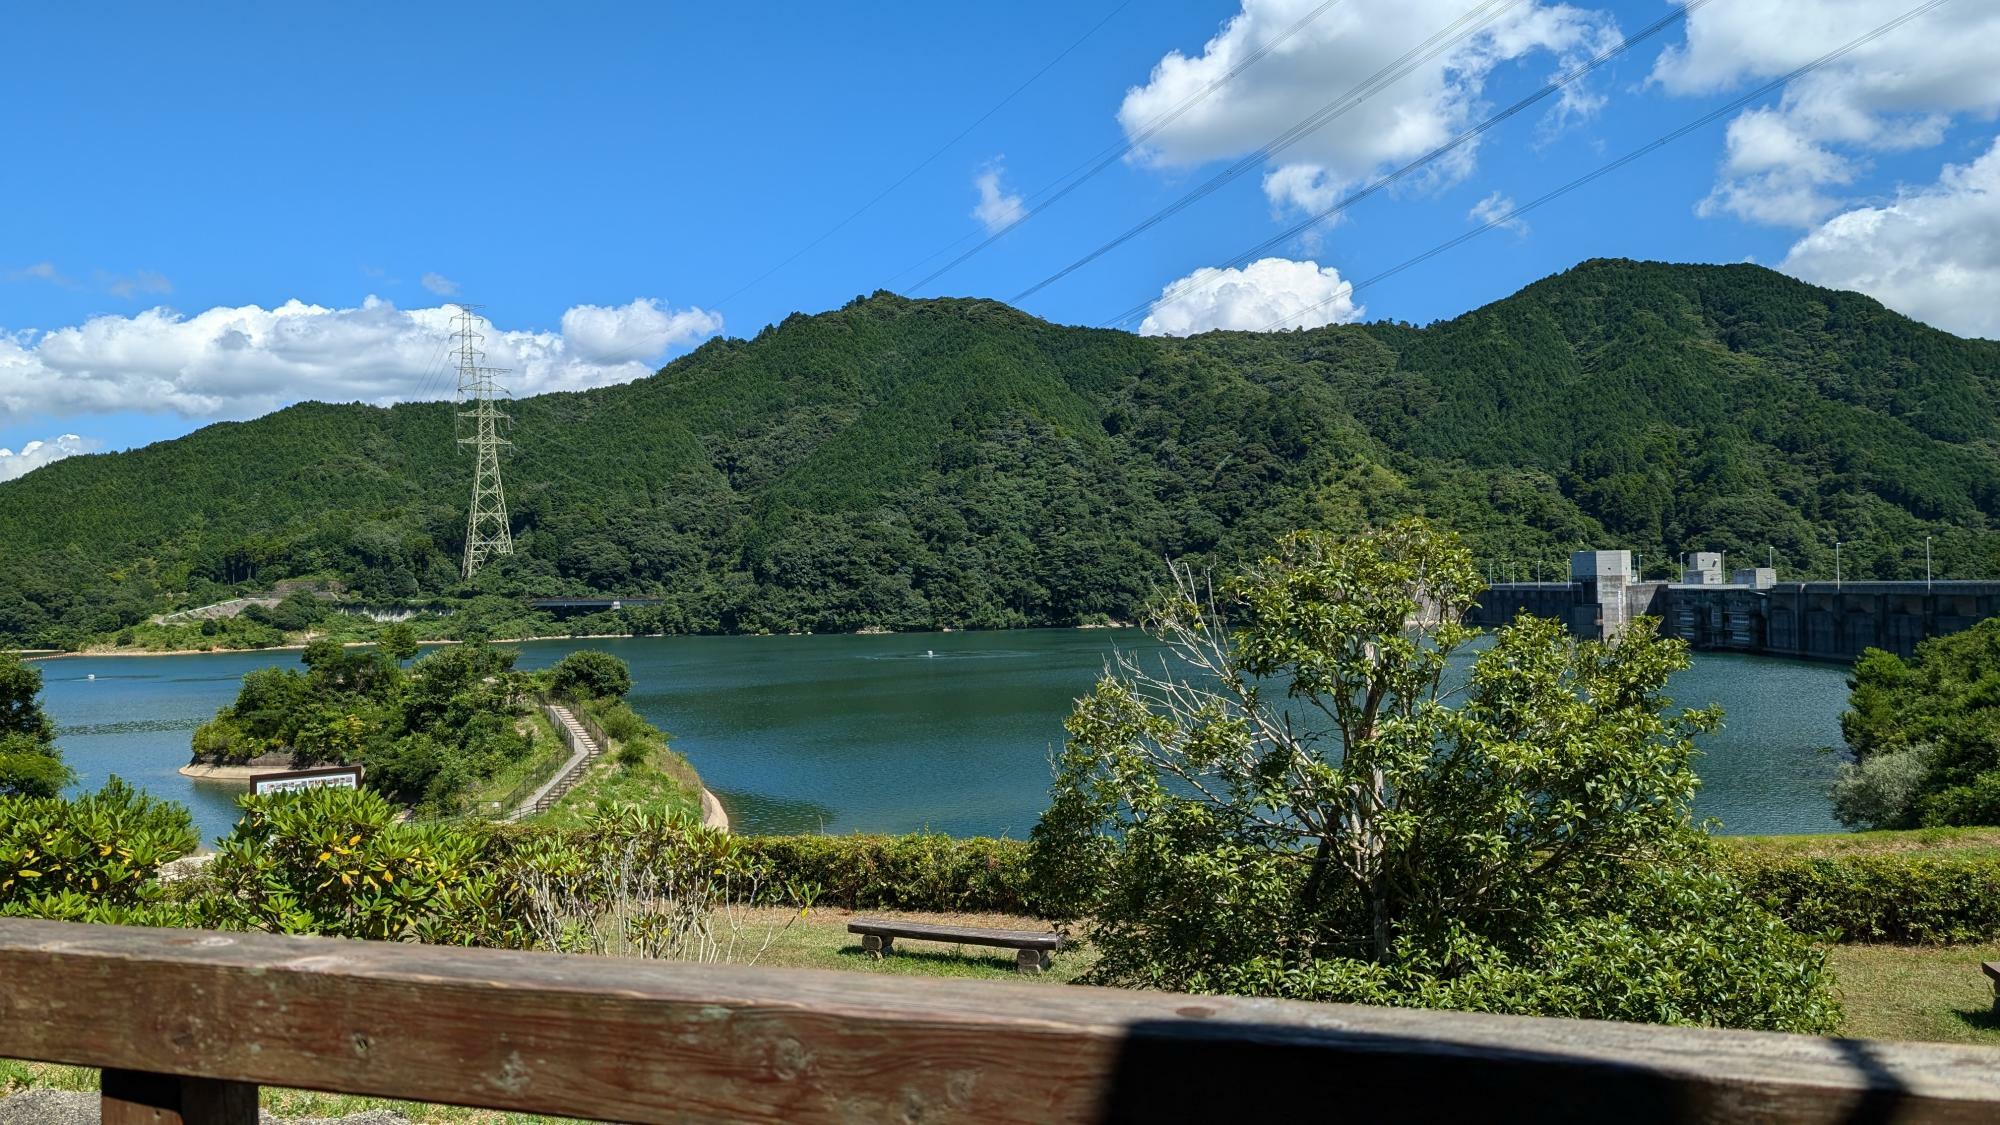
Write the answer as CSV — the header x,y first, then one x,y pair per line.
x,y
910,464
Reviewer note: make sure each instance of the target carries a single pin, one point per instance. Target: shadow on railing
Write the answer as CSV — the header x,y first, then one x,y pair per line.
x,y
188,1023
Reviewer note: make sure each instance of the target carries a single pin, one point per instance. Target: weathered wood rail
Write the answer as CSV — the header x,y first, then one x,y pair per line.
x,y
188,1023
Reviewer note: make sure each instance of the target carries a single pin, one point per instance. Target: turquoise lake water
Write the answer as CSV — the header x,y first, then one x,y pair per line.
x,y
951,732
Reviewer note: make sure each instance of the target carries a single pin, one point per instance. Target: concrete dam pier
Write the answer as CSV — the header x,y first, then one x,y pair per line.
x,y
1747,610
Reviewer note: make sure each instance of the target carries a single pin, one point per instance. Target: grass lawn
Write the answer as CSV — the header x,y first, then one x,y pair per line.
x,y
1917,992
1931,841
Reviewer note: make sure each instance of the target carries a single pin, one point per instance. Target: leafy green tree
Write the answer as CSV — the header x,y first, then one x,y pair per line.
x,y
399,641
591,674
1925,734
30,764
296,611
1299,809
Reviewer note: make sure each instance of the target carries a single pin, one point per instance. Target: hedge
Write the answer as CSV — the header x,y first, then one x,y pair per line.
x,y
920,872
1901,897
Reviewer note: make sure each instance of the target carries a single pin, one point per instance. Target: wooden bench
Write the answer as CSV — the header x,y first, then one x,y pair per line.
x,y
1992,969
1032,947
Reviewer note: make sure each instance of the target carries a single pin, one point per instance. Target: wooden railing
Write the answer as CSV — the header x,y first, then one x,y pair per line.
x,y
188,1023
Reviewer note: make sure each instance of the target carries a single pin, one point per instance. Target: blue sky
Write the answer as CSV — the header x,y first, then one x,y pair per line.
x,y
608,180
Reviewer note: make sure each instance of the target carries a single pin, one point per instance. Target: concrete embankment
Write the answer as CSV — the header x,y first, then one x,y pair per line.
x,y
234,775
713,815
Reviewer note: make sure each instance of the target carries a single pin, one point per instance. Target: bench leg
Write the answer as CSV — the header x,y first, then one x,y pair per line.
x,y
1030,961
1996,996
875,945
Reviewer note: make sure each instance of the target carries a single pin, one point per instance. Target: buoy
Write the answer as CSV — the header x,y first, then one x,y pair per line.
x,y
928,652
90,676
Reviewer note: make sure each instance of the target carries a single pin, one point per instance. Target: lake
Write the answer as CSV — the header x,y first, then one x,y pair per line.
x,y
950,732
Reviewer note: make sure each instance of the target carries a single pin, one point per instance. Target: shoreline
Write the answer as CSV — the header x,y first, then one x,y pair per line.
x,y
228,775
122,653
125,653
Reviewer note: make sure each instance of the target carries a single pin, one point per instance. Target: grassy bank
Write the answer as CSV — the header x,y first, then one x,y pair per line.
x,y
1973,843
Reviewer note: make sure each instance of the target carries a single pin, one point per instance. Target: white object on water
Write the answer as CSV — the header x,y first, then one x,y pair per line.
x,y
90,676
928,652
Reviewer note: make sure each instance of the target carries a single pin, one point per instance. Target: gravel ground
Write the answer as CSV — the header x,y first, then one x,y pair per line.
x,y
69,1107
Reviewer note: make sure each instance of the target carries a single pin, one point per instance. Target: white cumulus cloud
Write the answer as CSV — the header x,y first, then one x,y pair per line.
x,y
1933,254
1787,164
35,454
1269,293
1332,55
598,333
241,362
997,208
1497,209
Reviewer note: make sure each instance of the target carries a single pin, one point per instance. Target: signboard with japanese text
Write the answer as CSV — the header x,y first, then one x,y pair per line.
x,y
292,781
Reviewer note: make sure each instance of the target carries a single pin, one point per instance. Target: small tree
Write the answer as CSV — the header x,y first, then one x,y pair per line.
x,y
399,640
590,674
30,764
1361,838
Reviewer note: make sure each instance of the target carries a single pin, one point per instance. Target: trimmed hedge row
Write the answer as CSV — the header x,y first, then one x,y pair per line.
x,y
1901,897
921,872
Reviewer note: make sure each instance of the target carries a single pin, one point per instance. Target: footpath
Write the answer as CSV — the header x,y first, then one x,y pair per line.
x,y
584,749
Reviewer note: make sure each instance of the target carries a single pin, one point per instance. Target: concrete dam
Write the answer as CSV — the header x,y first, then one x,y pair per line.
x,y
1747,610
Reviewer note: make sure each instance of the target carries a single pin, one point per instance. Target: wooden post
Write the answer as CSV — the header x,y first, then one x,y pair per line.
x,y
138,1097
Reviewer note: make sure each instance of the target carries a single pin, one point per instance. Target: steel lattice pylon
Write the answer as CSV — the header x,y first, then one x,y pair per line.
x,y
486,530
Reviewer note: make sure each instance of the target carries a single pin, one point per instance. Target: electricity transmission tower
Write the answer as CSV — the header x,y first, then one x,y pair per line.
x,y
486,530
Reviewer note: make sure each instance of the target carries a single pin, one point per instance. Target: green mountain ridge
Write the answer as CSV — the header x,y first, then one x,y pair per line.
x,y
929,463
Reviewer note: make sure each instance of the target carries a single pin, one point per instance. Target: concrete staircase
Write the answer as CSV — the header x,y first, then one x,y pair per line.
x,y
583,751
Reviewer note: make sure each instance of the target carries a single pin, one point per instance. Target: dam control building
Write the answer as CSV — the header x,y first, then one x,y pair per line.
x,y
1746,610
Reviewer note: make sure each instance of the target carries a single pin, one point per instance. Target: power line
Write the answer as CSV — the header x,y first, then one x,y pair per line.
x,y
1050,195
1188,286
928,160
1451,35
1662,141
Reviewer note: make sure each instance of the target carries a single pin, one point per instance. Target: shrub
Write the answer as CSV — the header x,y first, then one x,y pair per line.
x,y
94,858
925,871
1900,897
336,862
620,723
590,674
636,883
1882,787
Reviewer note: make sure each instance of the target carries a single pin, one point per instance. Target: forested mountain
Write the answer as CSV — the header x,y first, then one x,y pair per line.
x,y
911,464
